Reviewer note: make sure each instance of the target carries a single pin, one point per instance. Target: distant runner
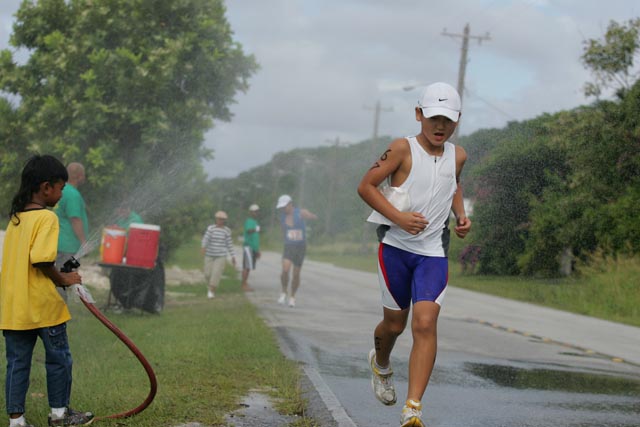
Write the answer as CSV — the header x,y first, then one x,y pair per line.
x,y
294,231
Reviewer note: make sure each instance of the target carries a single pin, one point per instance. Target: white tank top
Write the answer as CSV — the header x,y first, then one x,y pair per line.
x,y
431,185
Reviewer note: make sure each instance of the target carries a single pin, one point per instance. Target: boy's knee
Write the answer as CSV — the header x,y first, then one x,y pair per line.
x,y
424,325
395,326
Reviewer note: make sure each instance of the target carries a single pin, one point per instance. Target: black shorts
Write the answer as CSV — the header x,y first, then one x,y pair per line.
x,y
295,254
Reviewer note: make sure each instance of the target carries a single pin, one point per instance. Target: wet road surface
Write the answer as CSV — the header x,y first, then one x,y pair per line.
x,y
500,363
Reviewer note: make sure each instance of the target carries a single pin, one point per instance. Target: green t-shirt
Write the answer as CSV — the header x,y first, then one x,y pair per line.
x,y
251,239
126,222
71,205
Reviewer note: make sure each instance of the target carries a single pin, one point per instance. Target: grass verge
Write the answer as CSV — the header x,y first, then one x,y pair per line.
x,y
607,288
207,355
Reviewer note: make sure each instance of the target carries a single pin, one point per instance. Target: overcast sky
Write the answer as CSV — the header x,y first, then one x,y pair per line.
x,y
325,64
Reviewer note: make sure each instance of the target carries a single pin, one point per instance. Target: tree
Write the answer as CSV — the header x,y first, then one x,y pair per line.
x,y
12,154
127,87
510,179
611,60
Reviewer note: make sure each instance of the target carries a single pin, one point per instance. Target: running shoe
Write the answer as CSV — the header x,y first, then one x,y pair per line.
x,y
411,414
210,294
381,383
71,418
283,298
292,302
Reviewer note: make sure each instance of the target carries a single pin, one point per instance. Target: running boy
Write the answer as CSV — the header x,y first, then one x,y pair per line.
x,y
412,257
30,306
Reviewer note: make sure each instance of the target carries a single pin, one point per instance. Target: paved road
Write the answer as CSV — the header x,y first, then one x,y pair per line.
x,y
489,349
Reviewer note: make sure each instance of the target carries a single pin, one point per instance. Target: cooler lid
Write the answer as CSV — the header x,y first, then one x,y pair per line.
x,y
144,226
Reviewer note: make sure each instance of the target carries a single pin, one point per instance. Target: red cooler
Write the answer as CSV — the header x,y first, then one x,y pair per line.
x,y
142,245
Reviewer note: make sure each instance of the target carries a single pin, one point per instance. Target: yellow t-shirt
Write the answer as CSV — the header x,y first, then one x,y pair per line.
x,y
28,298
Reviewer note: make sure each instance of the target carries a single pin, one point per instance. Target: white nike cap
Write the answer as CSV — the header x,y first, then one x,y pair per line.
x,y
440,99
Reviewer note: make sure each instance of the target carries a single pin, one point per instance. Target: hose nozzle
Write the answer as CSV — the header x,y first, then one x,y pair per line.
x,y
70,265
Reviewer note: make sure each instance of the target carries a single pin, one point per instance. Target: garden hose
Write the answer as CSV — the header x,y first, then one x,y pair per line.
x,y
89,303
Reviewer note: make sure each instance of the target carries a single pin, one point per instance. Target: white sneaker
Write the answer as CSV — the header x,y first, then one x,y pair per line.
x,y
283,298
210,294
381,383
292,302
411,414
19,422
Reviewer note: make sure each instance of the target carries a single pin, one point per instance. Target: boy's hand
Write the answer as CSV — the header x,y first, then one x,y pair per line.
x,y
412,222
463,225
72,278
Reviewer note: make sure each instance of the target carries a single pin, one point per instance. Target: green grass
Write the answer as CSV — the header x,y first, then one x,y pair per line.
x,y
608,288
207,355
188,256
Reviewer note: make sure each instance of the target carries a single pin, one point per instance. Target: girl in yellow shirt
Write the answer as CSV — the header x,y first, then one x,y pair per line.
x,y
30,306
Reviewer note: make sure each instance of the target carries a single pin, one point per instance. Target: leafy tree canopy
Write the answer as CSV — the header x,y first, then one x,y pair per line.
x,y
127,87
612,60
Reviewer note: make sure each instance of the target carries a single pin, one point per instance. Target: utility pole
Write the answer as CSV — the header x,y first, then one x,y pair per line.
x,y
276,174
304,162
333,174
463,60
376,120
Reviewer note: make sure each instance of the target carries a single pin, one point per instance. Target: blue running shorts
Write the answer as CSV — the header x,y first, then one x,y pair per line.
x,y
406,277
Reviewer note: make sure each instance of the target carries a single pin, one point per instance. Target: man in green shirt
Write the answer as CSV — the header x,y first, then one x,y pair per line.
x,y
72,217
126,216
251,245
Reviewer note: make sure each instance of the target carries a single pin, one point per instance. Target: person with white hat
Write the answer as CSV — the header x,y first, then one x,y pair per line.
x,y
292,221
217,245
250,245
412,257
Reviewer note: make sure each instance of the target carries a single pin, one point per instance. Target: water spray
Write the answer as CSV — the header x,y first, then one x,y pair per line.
x,y
88,301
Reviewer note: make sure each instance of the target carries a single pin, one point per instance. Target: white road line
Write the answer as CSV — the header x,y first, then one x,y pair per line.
x,y
330,400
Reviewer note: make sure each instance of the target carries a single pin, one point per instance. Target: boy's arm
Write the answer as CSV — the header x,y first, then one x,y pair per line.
x,y
59,278
306,214
393,161
463,223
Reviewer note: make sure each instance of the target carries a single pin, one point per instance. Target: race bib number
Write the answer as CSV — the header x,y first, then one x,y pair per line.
x,y
294,235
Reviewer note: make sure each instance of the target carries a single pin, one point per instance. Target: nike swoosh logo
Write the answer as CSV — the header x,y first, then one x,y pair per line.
x,y
442,99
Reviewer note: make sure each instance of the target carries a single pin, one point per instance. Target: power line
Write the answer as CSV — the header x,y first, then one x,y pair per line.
x,y
475,95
